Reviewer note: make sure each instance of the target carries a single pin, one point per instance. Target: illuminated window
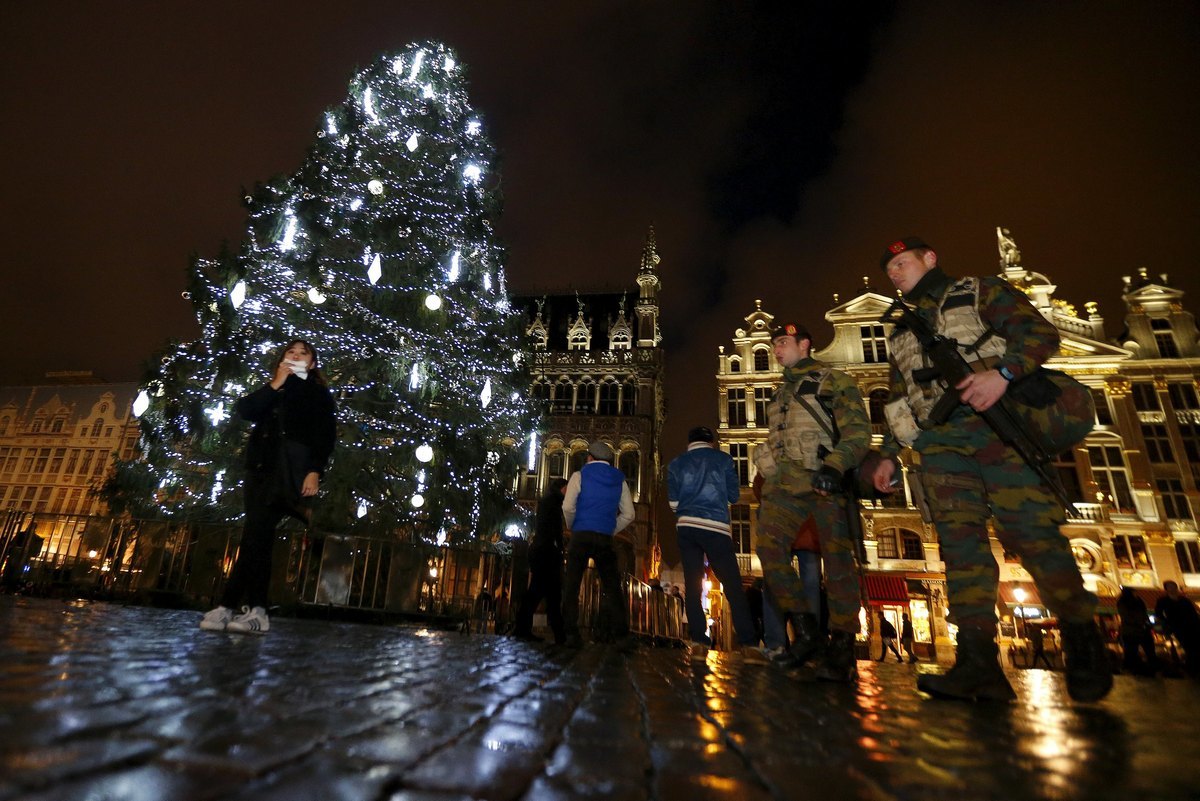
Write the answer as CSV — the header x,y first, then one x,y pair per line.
x,y
1110,474
886,545
1130,551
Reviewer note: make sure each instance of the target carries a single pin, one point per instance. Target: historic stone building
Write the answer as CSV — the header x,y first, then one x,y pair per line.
x,y
596,366
57,443
1134,478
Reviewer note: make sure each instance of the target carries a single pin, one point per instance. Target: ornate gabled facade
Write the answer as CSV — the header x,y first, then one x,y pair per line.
x,y
57,443
1135,478
596,367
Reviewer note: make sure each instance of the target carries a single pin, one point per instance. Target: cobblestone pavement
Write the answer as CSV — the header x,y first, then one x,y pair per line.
x,y
99,701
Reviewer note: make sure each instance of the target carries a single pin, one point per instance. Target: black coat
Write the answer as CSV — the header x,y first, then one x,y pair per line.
x,y
294,424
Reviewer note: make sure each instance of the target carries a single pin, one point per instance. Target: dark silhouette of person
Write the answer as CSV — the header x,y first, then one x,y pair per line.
x,y
545,567
887,634
1136,634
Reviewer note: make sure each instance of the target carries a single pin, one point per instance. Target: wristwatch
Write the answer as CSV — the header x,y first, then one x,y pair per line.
x,y
1005,372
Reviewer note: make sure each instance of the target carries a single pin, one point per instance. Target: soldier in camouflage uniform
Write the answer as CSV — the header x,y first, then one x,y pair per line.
x,y
969,475
818,429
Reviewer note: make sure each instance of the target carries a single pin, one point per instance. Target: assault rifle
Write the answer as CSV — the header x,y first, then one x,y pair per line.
x,y
949,367
853,507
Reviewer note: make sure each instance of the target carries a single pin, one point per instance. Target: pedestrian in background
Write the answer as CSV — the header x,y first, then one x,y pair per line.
x,y
907,638
887,636
286,455
1177,615
545,566
701,483
1136,634
597,505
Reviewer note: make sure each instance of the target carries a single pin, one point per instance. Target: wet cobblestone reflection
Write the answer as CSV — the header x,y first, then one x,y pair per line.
x,y
100,701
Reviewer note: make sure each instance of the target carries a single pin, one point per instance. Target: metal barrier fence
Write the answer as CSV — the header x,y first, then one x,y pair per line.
x,y
187,564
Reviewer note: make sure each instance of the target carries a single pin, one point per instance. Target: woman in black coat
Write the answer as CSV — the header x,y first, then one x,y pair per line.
x,y
292,439
545,566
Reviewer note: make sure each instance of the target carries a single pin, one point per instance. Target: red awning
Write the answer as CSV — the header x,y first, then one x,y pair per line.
x,y
886,589
1007,596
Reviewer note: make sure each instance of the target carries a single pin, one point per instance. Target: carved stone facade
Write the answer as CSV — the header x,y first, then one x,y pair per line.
x,y
1135,478
596,367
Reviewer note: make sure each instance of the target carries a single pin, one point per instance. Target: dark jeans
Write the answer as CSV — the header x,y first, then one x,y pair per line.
x,y
694,544
250,578
546,581
594,545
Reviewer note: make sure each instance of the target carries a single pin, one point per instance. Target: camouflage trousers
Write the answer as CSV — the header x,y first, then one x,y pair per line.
x,y
781,515
969,476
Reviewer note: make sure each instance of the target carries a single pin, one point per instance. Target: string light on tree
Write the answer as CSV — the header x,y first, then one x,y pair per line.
x,y
373,188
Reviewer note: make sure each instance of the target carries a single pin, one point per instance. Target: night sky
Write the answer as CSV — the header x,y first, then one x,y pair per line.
x,y
775,152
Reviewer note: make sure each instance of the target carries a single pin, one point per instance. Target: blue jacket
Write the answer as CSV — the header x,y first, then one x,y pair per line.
x,y
598,499
701,484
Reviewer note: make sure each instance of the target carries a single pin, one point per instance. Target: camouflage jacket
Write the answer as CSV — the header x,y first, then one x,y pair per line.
x,y
840,393
1031,339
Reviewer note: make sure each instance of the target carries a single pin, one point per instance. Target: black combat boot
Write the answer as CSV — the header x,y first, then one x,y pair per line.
x,y
1089,674
810,642
976,675
838,662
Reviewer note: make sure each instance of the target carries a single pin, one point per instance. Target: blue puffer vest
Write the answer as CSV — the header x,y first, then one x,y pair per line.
x,y
599,498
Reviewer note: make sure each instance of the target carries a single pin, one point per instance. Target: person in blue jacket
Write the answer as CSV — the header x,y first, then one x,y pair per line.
x,y
701,483
597,505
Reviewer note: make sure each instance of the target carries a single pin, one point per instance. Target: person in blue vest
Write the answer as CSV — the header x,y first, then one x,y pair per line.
x,y
597,505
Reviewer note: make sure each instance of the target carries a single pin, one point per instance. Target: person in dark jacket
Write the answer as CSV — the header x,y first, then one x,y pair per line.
x,y
545,566
1136,634
289,447
701,483
887,636
1177,615
597,505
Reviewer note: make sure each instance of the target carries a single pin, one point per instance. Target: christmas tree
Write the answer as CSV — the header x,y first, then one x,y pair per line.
x,y
380,250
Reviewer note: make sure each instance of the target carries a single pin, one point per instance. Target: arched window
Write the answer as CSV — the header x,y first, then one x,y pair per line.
x,y
735,365
610,397
630,464
97,426
563,398
910,544
585,397
629,392
104,408
578,460
886,546
540,392
762,361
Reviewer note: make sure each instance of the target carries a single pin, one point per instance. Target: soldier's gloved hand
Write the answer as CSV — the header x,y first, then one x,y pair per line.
x,y
827,481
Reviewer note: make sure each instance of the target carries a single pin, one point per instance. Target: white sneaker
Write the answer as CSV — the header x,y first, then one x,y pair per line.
x,y
216,619
250,621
